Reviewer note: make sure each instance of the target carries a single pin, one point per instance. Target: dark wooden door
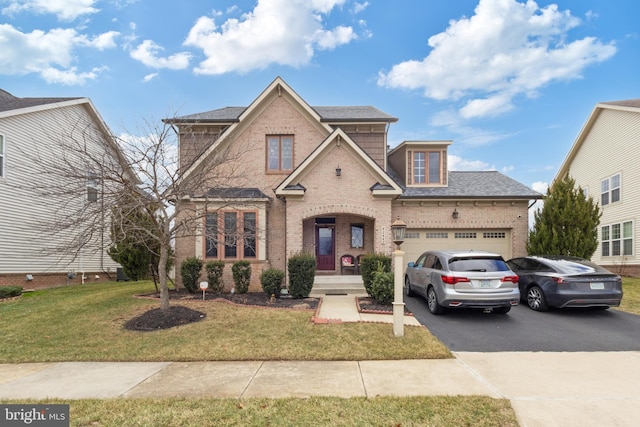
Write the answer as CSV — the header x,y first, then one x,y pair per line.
x,y
325,247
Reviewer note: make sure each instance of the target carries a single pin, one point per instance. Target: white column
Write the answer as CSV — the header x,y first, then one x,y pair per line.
x,y
398,303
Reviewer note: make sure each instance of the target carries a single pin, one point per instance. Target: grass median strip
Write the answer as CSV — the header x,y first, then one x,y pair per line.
x,y
434,411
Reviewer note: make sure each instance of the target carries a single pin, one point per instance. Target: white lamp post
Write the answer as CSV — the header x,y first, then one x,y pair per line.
x,y
398,229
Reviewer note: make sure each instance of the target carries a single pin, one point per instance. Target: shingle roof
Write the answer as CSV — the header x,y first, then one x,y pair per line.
x,y
9,102
237,193
484,184
634,103
327,114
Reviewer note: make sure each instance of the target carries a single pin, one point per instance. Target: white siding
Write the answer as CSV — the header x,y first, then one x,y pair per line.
x,y
23,214
612,146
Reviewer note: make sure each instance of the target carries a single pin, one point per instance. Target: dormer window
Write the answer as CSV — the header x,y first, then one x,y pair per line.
x,y
427,167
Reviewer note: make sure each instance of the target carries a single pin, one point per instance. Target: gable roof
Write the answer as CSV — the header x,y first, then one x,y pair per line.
x,y
327,114
630,105
10,103
384,185
474,185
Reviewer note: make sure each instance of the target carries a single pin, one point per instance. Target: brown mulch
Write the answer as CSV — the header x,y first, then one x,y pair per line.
x,y
177,315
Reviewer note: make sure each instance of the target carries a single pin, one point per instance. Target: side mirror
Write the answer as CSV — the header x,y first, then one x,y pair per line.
x,y
411,264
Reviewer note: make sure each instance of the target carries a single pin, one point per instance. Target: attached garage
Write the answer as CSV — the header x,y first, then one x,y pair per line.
x,y
419,240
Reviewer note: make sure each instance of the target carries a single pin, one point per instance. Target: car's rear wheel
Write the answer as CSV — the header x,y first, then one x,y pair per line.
x,y
432,301
502,310
536,299
407,287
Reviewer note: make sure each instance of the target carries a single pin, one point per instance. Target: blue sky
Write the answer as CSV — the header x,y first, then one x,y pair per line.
x,y
510,82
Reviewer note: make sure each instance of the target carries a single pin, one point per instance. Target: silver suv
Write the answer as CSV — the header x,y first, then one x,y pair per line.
x,y
457,279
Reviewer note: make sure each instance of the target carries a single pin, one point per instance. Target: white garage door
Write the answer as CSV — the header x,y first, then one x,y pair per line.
x,y
419,240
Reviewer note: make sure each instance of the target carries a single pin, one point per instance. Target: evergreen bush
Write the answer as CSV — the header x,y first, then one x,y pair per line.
x,y
302,273
241,276
382,287
214,275
371,263
10,291
272,280
190,273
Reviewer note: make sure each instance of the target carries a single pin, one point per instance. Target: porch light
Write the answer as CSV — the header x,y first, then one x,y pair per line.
x,y
338,171
398,228
455,213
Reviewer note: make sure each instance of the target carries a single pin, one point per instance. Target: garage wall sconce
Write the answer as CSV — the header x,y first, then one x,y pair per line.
x,y
338,171
455,214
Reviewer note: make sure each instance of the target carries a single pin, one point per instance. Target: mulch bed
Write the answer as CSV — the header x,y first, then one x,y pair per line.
x,y
177,315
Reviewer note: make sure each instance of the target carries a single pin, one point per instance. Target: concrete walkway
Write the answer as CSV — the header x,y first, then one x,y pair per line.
x,y
545,389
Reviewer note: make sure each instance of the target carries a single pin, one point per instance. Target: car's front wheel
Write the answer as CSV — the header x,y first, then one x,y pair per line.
x,y
407,287
536,299
432,302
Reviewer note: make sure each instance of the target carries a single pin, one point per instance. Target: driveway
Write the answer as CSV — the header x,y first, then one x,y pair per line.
x,y
526,330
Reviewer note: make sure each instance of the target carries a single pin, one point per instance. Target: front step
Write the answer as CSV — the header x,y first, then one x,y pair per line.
x,y
338,285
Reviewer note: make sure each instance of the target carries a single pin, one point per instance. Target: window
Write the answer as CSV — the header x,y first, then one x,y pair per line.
x,y
437,235
610,190
357,236
465,235
418,168
617,239
1,156
236,231
279,153
426,167
93,184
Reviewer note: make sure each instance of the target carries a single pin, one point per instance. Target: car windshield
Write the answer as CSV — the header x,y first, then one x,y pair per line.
x,y
477,264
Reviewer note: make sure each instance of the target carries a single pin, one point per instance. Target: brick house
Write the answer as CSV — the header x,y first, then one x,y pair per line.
x,y
322,180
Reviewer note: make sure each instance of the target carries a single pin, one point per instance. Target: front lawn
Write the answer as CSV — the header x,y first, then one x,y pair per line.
x,y
631,295
85,323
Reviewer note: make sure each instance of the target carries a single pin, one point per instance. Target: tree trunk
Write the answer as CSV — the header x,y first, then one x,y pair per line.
x,y
162,269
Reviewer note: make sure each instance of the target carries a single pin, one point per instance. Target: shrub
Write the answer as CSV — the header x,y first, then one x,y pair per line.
x,y
372,263
190,273
302,273
271,280
10,291
241,276
382,287
214,275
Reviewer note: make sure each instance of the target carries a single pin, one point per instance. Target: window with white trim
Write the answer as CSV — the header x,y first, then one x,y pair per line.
x,y
617,239
1,156
610,190
93,184
231,235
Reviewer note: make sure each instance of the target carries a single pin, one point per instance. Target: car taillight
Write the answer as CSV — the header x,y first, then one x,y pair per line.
x,y
558,280
512,279
452,280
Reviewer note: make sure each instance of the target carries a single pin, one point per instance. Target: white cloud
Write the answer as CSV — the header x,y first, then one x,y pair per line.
x,y
50,54
456,163
65,10
359,7
149,77
466,135
540,187
285,32
147,53
505,49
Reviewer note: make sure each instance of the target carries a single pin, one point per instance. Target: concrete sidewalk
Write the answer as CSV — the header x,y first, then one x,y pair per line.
x,y
545,389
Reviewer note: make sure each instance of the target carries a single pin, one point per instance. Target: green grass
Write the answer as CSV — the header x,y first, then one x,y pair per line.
x,y
85,323
631,295
474,411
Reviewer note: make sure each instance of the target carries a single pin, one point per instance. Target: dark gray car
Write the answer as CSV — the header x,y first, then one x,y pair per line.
x,y
562,281
462,279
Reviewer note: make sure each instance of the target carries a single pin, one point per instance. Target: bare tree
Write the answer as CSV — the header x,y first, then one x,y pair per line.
x,y
100,181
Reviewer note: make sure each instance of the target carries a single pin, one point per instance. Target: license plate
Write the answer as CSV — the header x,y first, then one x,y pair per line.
x,y
597,285
485,283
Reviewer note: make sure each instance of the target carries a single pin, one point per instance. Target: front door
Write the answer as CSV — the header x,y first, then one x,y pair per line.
x,y
325,247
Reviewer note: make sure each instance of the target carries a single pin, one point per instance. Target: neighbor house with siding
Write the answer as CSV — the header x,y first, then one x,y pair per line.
x,y
321,180
604,163
31,130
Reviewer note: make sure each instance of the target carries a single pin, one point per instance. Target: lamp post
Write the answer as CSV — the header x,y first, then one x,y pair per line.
x,y
398,229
